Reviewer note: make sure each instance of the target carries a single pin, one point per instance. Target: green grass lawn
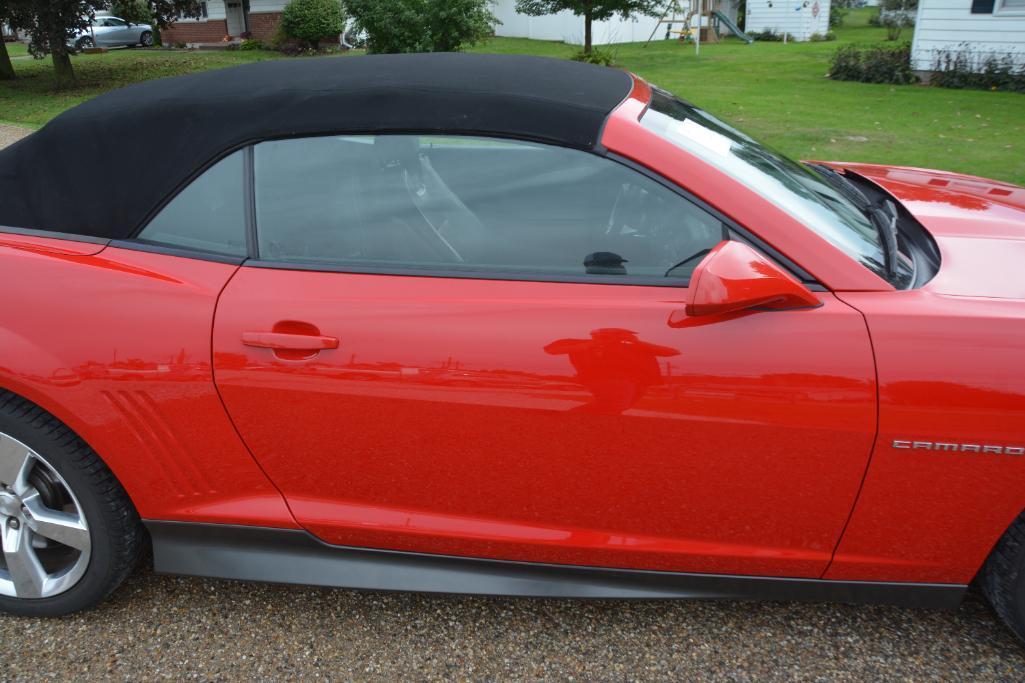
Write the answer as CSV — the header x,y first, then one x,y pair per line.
x,y
32,99
777,93
17,49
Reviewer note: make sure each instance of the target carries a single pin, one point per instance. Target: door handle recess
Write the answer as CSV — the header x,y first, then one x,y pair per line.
x,y
289,342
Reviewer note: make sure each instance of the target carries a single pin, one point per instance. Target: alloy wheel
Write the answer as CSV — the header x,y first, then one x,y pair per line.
x,y
45,536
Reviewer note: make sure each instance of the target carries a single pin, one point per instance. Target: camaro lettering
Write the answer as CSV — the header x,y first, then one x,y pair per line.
x,y
947,446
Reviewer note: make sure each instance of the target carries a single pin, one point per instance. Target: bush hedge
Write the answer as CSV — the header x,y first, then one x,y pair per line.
x,y
873,64
310,21
964,69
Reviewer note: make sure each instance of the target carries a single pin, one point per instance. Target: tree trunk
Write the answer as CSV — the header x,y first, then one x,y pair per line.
x,y
6,68
587,29
62,71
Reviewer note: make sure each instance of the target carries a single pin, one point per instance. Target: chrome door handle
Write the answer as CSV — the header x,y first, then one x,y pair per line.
x,y
290,342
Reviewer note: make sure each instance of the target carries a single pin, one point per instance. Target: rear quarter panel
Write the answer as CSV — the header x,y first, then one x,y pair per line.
x,y
116,344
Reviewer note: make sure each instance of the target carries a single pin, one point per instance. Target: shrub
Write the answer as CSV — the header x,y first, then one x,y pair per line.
x,y
837,14
822,37
964,69
873,64
597,55
289,46
310,21
422,25
767,35
840,9
251,44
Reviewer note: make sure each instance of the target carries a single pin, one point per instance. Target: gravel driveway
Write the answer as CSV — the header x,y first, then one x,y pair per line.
x,y
159,627
10,134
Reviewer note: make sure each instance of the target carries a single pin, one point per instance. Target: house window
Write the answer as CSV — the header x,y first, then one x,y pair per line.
x,y
1012,6
202,11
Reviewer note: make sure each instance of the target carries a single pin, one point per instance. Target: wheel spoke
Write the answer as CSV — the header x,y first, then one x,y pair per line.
x,y
57,525
15,463
27,574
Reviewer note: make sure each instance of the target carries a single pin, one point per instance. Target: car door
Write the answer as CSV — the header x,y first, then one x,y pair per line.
x,y
104,32
116,32
477,347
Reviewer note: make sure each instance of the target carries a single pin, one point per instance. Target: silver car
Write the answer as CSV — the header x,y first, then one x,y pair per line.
x,y
108,31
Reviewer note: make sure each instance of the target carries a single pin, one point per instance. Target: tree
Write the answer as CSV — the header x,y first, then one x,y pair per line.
x,y
897,15
6,67
422,25
53,24
591,10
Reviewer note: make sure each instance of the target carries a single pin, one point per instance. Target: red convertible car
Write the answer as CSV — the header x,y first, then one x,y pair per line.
x,y
501,325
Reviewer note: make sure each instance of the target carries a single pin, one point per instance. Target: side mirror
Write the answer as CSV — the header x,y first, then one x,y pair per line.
x,y
735,277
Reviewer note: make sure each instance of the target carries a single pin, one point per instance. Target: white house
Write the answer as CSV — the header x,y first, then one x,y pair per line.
x,y
223,20
981,28
9,34
569,28
798,19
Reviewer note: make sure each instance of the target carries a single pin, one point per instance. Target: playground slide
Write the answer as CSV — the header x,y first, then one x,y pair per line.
x,y
733,28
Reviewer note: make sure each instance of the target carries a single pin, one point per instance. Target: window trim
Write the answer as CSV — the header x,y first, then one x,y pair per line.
x,y
1001,9
135,244
469,273
249,208
55,234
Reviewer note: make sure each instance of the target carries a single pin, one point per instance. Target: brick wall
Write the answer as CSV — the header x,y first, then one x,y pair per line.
x,y
264,25
212,31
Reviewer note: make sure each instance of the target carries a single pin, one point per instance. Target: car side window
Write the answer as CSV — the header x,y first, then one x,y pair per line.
x,y
208,215
480,204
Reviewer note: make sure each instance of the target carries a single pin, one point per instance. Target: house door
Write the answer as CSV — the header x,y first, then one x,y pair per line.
x,y
236,16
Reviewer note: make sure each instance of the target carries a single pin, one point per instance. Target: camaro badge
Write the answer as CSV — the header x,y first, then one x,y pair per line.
x,y
957,447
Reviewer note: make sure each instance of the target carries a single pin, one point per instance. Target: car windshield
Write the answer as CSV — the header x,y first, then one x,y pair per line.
x,y
797,189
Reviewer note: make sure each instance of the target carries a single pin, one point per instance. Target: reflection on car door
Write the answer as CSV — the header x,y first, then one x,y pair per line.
x,y
494,413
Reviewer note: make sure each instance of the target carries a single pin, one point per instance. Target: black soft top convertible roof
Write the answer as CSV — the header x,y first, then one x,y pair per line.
x,y
102,168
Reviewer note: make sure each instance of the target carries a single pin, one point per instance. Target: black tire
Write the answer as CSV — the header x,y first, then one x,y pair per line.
x,y
1002,578
116,535
85,43
146,39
